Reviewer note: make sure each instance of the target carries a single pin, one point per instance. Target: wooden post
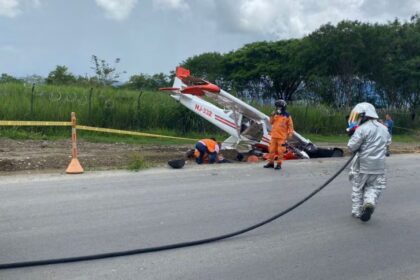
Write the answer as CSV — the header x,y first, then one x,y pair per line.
x,y
90,105
74,167
32,100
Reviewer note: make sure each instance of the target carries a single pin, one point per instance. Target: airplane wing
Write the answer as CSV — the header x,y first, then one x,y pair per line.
x,y
199,87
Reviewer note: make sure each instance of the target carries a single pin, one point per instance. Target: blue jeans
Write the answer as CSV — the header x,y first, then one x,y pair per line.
x,y
202,149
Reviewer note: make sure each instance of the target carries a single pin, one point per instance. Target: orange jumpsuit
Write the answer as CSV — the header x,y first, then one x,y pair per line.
x,y
281,129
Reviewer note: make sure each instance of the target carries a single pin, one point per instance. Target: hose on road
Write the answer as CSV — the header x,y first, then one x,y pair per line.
x,y
176,245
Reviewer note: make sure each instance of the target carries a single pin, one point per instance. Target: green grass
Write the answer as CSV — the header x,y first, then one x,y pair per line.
x,y
36,133
155,111
137,163
20,133
100,107
406,138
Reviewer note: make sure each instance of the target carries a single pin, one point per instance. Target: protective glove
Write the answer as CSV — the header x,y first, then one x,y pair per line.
x,y
351,130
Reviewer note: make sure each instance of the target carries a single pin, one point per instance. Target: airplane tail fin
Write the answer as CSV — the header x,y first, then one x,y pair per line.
x,y
182,73
186,84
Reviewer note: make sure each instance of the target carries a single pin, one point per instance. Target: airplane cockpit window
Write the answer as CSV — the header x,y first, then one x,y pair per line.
x,y
251,129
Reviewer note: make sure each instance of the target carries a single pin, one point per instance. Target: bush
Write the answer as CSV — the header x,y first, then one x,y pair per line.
x,y
137,162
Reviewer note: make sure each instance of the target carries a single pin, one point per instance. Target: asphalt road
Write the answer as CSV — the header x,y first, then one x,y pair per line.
x,y
53,216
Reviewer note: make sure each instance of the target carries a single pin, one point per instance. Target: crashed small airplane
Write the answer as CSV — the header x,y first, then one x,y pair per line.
x,y
249,128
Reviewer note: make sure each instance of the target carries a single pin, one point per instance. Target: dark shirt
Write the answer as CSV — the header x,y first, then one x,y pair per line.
x,y
389,124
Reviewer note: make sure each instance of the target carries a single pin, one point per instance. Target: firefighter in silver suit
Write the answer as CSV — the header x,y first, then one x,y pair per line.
x,y
369,140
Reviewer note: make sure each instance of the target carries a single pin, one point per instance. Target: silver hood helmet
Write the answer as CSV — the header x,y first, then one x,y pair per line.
x,y
360,112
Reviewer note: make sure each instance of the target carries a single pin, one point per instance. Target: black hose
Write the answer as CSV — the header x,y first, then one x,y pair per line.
x,y
172,246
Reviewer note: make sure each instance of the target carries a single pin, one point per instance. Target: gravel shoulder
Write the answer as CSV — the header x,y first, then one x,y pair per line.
x,y
38,156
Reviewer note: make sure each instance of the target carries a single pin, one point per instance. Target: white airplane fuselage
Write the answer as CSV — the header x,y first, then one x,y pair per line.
x,y
227,120
248,127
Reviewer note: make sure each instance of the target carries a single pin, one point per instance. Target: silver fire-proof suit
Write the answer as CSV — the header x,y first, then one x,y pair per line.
x,y
367,171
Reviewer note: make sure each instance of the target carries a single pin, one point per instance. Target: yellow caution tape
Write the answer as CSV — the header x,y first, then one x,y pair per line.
x,y
33,123
90,128
125,132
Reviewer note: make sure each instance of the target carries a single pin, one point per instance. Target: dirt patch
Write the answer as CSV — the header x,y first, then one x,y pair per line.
x,y
38,155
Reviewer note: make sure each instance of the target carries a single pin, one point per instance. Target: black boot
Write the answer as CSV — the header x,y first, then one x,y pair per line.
x,y
278,167
367,212
269,165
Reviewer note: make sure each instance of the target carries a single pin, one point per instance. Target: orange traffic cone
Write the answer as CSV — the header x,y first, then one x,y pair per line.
x,y
74,167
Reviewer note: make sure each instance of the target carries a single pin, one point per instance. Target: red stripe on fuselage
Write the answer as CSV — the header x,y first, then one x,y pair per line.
x,y
227,122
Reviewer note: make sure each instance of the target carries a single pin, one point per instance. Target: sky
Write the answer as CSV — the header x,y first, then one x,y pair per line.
x,y
152,36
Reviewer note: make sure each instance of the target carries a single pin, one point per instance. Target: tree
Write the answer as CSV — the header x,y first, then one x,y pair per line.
x,y
105,73
60,76
336,52
404,67
285,69
34,79
144,81
266,69
161,80
208,66
397,71
5,78
243,69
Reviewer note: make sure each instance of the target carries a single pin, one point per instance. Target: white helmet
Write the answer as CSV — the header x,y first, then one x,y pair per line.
x,y
359,112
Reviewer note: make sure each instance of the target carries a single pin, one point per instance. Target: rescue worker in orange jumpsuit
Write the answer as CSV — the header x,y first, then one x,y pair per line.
x,y
281,130
207,146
